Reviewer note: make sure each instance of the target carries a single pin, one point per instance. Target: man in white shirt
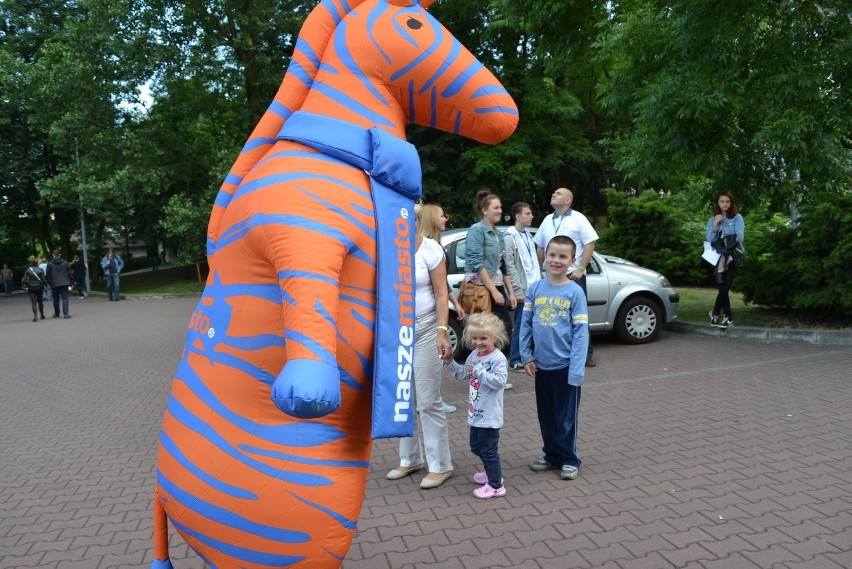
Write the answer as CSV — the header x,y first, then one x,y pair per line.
x,y
572,223
523,268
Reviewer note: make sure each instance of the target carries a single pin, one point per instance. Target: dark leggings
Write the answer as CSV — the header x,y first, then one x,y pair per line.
x,y
37,302
723,299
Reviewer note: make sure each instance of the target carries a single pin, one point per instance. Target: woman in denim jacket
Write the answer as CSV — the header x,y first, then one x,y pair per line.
x,y
484,254
725,221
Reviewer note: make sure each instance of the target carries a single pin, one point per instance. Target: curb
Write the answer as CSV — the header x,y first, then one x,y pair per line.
x,y
821,337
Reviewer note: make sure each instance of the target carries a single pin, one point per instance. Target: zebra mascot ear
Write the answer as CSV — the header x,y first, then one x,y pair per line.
x,y
301,348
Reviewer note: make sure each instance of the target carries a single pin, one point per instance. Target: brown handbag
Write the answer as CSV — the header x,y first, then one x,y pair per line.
x,y
474,298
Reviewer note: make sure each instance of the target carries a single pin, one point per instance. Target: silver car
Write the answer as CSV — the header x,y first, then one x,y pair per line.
x,y
624,298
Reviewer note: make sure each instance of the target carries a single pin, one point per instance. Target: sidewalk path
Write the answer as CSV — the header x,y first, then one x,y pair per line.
x,y
699,452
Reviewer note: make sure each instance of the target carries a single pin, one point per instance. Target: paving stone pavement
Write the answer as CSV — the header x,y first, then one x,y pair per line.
x,y
698,452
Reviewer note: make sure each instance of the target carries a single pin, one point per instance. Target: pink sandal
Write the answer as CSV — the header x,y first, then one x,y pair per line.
x,y
487,492
482,478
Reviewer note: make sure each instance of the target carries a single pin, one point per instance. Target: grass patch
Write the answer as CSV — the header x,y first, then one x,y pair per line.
x,y
170,279
177,287
695,303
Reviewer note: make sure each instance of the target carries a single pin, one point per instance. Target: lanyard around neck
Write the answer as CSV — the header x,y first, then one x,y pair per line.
x,y
562,217
526,240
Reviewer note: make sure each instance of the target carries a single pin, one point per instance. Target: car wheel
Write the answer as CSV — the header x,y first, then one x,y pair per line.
x,y
638,320
455,336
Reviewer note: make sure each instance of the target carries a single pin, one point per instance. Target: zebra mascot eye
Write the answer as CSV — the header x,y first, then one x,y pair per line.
x,y
414,24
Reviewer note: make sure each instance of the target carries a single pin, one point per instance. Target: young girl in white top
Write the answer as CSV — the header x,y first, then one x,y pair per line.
x,y
487,370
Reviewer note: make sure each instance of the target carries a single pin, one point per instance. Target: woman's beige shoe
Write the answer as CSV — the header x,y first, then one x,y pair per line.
x,y
438,479
403,471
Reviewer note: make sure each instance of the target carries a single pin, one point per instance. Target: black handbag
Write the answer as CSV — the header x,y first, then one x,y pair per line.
x,y
724,245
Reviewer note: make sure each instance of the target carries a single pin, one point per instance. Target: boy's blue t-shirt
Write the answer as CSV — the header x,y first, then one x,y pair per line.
x,y
556,322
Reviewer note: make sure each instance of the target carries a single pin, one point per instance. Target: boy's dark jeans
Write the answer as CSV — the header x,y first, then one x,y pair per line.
x,y
558,405
483,443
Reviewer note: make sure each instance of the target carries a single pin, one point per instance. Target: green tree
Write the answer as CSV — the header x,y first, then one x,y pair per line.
x,y
70,68
748,94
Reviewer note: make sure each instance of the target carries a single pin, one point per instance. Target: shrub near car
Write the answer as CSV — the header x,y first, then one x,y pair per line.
x,y
628,300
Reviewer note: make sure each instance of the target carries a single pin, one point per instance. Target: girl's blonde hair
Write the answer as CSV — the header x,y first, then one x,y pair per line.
x,y
488,323
428,216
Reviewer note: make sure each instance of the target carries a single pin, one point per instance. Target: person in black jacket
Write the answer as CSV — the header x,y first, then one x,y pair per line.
x,y
59,279
35,283
79,270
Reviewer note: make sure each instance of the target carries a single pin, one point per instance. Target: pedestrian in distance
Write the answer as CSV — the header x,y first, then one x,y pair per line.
x,y
486,371
42,264
35,282
112,266
154,258
59,278
554,341
79,270
7,276
726,221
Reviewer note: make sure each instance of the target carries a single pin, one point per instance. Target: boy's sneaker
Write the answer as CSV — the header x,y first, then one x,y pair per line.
x,y
482,478
518,367
714,319
725,322
487,492
569,472
541,465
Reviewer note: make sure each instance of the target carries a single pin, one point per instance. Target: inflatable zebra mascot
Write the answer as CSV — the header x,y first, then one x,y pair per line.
x,y
299,351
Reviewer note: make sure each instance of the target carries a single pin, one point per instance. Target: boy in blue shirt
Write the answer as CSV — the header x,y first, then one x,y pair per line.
x,y
553,342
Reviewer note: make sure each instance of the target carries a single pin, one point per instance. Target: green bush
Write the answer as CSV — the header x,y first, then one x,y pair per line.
x,y
661,233
804,264
167,275
762,280
136,263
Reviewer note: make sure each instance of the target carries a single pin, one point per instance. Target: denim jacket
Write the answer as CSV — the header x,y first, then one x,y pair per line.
x,y
484,247
729,226
119,264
